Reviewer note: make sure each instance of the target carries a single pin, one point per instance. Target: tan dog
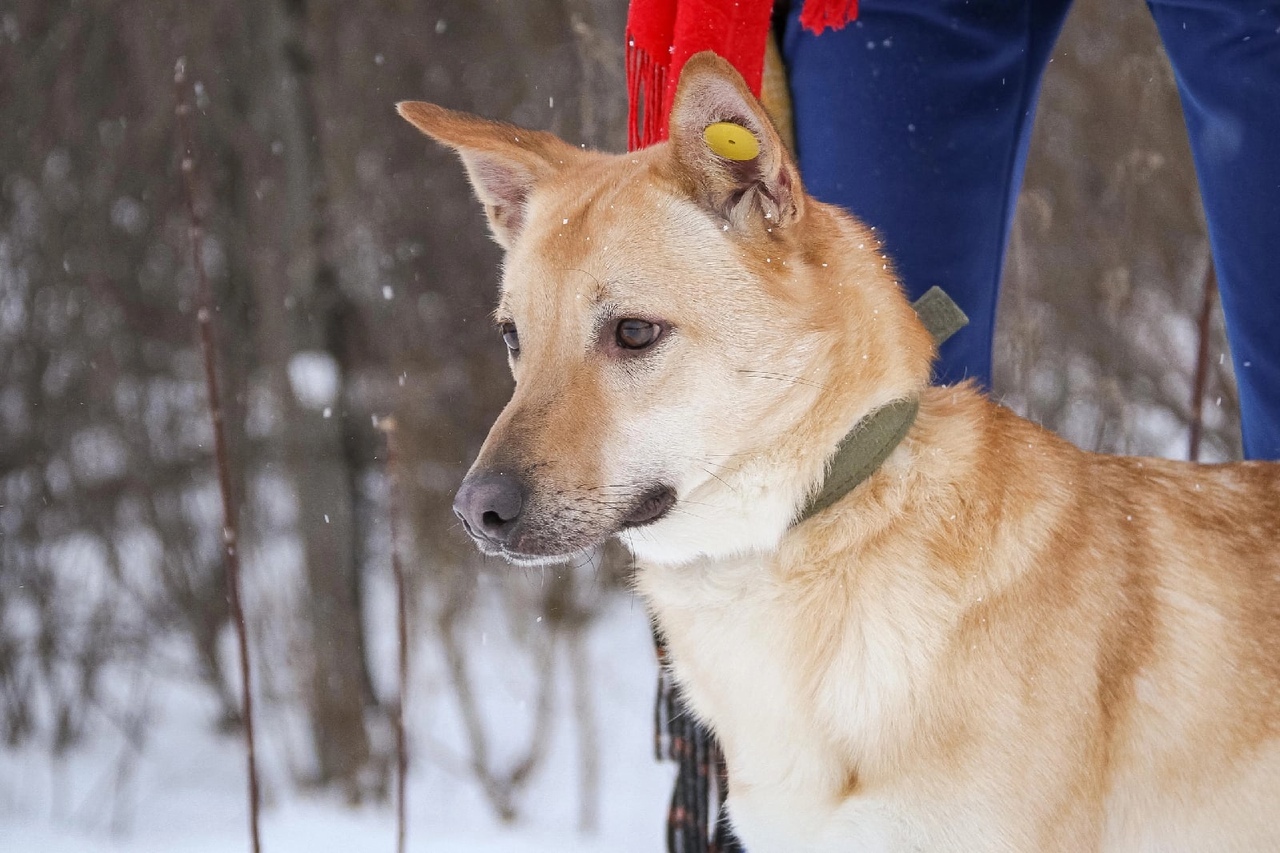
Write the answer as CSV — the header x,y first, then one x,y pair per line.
x,y
996,642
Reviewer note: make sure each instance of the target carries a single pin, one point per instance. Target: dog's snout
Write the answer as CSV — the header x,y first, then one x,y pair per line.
x,y
489,505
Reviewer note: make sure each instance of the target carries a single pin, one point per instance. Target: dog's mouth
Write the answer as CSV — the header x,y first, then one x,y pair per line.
x,y
652,505
555,541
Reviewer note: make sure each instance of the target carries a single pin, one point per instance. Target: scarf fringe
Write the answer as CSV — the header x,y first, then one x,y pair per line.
x,y
649,75
697,821
818,15
646,88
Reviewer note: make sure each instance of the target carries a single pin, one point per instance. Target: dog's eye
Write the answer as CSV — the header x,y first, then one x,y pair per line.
x,y
510,337
637,334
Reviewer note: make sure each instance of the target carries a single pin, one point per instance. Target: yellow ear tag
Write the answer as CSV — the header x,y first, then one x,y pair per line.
x,y
731,141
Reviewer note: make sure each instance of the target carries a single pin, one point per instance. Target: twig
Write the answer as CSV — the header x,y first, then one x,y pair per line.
x,y
388,427
500,787
1202,364
588,736
209,346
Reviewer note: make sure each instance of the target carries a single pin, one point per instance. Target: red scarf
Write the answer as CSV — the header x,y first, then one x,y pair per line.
x,y
663,34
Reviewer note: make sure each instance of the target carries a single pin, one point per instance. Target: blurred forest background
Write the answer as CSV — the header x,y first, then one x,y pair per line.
x,y
353,276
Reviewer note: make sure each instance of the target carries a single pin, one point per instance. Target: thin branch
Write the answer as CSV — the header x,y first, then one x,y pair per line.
x,y
1202,364
588,733
388,427
500,787
209,347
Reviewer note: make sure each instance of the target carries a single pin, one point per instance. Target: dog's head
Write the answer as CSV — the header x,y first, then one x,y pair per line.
x,y
690,334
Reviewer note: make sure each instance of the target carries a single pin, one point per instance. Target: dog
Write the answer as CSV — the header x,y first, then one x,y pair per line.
x,y
994,641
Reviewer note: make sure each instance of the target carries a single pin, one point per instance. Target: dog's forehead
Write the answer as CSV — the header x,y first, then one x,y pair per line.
x,y
620,233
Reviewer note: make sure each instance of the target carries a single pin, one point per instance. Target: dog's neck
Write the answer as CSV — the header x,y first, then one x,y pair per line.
x,y
874,437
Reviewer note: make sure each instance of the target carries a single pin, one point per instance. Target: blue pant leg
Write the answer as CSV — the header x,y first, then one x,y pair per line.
x,y
916,117
1226,57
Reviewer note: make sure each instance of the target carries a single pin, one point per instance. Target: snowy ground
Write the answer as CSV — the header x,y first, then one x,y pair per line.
x,y
184,791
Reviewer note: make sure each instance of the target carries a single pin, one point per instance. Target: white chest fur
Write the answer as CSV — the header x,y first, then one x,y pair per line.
x,y
804,692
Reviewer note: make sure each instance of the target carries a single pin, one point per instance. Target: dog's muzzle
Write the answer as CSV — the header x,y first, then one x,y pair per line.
x,y
500,512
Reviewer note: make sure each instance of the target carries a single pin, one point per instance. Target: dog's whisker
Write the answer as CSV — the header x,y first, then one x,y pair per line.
x,y
719,479
784,377
587,274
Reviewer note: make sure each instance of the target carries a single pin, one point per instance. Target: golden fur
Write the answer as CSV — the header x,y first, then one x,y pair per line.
x,y
998,642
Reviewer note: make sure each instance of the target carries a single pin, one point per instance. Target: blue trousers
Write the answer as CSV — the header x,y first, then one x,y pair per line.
x,y
917,118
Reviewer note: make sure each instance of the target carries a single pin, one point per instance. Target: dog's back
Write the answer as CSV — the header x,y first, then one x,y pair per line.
x,y
1192,760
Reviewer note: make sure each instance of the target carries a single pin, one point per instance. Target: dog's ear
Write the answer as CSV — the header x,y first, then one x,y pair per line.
x,y
727,149
504,162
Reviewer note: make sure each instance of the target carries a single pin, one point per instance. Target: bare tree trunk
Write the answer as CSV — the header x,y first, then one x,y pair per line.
x,y
392,469
310,319
602,76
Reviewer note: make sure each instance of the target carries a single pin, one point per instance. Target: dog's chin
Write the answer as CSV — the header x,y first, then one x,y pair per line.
x,y
527,559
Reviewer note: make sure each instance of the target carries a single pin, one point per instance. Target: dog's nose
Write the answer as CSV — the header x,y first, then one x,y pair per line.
x,y
489,505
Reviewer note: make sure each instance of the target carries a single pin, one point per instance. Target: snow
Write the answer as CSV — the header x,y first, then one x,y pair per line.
x,y
128,215
184,790
313,376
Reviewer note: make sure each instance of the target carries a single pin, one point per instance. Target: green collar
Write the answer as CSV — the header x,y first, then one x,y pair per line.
x,y
874,437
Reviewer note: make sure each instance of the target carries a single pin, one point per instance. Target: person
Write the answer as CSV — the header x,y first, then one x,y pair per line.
x,y
917,118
